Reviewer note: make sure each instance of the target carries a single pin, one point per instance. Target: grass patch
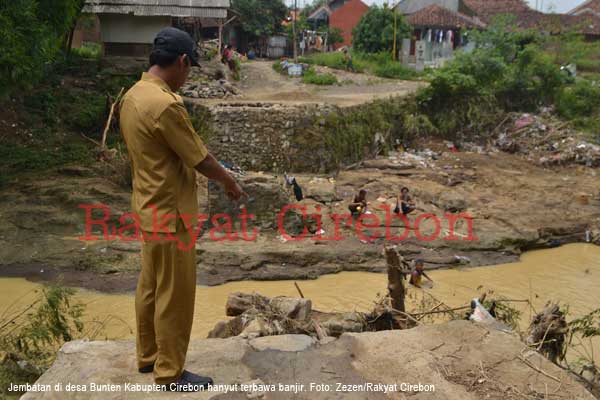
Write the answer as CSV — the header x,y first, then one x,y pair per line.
x,y
395,70
333,60
314,78
588,65
378,64
88,50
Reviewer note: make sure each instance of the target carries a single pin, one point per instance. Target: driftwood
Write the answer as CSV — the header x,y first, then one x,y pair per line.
x,y
547,332
397,268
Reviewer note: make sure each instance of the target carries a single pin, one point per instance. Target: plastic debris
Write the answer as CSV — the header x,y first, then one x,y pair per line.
x,y
480,314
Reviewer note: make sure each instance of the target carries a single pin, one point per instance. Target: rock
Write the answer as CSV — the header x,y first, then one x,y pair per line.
x,y
291,307
319,189
327,339
238,303
283,343
254,329
460,348
299,219
267,197
343,322
451,201
227,329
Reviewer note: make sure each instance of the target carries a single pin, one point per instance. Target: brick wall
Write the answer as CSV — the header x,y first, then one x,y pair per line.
x,y
346,18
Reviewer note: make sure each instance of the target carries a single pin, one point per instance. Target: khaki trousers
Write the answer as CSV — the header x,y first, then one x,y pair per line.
x,y
164,305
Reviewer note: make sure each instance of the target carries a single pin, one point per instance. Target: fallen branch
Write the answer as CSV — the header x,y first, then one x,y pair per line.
x,y
97,143
432,309
442,311
406,315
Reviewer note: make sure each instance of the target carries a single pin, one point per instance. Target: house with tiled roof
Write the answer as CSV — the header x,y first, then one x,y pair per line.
x,y
590,7
441,21
439,25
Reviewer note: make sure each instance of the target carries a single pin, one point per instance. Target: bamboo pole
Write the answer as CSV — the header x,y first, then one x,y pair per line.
x,y
110,117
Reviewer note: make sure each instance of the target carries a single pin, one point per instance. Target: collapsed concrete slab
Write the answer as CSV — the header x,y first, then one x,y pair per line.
x,y
457,360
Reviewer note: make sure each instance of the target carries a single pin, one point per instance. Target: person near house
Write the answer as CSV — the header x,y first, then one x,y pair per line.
x,y
404,203
359,205
165,153
226,54
228,57
416,276
348,61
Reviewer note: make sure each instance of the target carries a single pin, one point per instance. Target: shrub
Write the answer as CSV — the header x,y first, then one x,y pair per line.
x,y
314,78
333,60
506,71
581,103
236,69
87,113
532,80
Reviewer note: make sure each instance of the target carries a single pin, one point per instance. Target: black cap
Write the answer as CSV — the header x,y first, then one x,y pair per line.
x,y
175,41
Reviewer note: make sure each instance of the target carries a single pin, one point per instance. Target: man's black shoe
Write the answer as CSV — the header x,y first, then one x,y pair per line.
x,y
147,369
189,382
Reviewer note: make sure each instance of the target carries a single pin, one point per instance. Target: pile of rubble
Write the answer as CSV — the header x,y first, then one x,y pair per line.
x,y
209,81
546,140
220,89
257,315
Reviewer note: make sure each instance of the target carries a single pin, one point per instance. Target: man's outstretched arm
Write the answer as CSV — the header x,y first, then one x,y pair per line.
x,y
212,169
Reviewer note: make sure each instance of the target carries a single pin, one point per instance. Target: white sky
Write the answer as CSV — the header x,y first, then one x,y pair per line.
x,y
560,6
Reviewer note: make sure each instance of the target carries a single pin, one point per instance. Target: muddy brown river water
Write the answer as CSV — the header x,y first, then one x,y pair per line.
x,y
569,274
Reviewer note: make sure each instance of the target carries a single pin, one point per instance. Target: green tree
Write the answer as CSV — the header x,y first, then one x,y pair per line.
x,y
33,33
335,36
375,30
260,18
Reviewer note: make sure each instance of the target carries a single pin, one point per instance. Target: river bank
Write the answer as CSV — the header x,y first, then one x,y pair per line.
x,y
515,206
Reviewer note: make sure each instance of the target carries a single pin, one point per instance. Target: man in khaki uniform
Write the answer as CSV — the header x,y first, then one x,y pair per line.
x,y
164,150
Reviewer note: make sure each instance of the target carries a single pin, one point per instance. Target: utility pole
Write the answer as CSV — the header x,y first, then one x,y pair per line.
x,y
395,34
294,31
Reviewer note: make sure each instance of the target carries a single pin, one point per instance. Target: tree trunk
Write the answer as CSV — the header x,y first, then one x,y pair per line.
x,y
396,269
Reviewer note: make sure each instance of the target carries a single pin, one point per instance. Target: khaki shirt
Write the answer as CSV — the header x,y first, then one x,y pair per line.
x,y
163,148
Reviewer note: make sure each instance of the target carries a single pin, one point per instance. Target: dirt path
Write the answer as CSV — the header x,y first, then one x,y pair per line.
x,y
261,83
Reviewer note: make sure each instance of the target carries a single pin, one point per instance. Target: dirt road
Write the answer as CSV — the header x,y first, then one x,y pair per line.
x,y
261,83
